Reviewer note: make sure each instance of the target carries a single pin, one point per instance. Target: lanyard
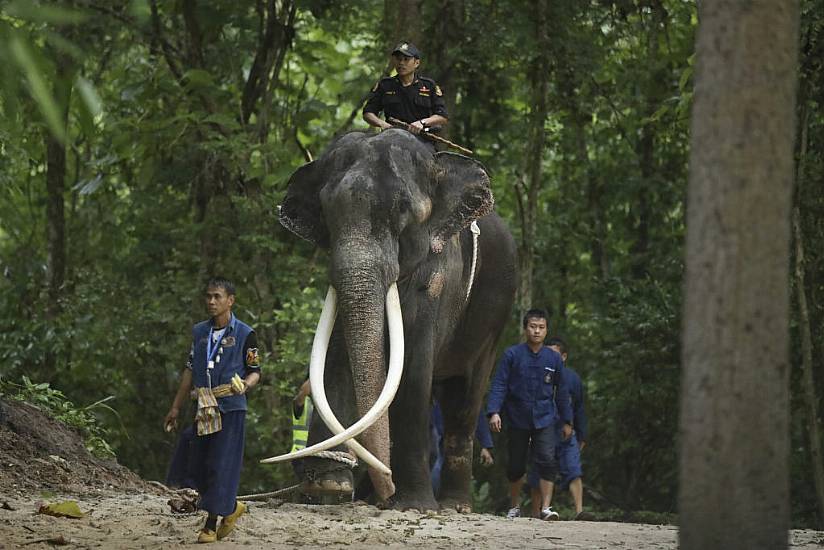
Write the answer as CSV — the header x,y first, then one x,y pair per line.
x,y
214,348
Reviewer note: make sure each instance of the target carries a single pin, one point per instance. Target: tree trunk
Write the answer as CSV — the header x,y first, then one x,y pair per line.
x,y
56,206
539,71
734,483
808,380
440,43
397,15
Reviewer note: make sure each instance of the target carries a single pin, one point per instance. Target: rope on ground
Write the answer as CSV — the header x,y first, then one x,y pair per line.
x,y
178,491
267,496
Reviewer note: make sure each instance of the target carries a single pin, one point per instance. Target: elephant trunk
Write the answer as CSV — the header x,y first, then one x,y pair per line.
x,y
361,302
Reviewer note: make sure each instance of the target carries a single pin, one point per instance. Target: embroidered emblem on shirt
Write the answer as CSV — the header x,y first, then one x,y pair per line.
x,y
252,357
229,341
424,89
389,92
438,91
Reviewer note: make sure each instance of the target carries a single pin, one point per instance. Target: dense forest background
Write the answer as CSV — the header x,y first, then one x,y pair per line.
x,y
145,145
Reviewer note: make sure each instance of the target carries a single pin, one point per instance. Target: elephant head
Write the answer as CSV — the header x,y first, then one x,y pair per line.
x,y
382,204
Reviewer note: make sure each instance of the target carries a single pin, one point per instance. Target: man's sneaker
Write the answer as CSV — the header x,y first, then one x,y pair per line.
x,y
583,515
513,513
549,514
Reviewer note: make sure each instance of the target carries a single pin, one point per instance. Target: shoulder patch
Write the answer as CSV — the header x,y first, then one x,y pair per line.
x,y
252,357
438,91
375,87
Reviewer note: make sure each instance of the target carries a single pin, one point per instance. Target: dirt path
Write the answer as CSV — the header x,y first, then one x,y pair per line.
x,y
39,456
129,520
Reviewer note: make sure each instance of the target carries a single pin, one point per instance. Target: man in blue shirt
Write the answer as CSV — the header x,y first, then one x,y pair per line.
x,y
567,452
223,348
529,389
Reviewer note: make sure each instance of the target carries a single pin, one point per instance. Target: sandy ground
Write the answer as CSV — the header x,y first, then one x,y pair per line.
x,y
133,520
39,456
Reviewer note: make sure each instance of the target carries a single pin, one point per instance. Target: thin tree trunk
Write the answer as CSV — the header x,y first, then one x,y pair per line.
x,y
734,444
808,379
655,93
540,73
397,15
439,47
56,207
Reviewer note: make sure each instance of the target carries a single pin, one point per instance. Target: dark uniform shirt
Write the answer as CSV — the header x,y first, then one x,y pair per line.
x,y
524,388
421,99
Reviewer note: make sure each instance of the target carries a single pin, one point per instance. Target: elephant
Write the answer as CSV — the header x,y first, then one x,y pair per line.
x,y
397,219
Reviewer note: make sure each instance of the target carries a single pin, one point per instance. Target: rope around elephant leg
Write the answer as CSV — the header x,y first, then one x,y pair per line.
x,y
337,456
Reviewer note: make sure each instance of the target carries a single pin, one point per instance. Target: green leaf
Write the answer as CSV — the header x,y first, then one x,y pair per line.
x,y
198,78
224,120
87,187
89,95
24,55
685,78
39,12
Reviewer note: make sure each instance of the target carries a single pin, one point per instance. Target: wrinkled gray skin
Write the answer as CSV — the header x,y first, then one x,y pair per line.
x,y
389,210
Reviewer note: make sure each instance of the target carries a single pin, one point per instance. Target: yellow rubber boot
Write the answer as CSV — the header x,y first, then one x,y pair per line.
x,y
207,535
227,525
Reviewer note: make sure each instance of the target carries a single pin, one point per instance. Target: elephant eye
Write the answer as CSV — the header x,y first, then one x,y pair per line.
x,y
404,206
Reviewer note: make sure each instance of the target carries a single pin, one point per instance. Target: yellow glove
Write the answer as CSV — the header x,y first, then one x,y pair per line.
x,y
238,385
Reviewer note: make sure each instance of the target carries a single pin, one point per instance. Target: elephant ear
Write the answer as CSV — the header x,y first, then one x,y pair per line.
x,y
300,212
461,196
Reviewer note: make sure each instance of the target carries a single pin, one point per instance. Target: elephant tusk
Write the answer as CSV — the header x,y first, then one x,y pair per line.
x,y
318,361
317,366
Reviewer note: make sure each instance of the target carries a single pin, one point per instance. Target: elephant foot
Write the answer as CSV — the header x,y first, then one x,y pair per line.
x,y
326,487
330,483
410,501
459,505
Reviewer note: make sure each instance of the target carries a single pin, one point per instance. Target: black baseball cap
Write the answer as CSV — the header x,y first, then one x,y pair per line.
x,y
407,48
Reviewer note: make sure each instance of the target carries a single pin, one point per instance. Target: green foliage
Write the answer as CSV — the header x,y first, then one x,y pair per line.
x,y
168,180
54,403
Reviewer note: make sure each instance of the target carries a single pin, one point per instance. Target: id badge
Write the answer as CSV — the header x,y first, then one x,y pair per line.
x,y
548,373
210,365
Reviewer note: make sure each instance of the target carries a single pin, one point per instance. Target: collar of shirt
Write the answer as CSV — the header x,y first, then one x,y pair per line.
x,y
414,81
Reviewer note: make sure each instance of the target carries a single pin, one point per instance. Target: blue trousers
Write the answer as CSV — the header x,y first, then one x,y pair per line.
x,y
216,463
180,468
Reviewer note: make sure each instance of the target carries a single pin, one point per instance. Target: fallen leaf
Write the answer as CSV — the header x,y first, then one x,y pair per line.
x,y
64,509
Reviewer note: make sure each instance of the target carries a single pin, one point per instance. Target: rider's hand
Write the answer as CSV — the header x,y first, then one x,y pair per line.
x,y
417,127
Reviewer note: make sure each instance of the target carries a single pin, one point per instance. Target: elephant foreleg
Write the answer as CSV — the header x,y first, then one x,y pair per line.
x,y
410,414
460,406
322,476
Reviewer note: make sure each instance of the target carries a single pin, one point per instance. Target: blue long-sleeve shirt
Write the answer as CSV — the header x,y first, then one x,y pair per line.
x,y
522,388
576,394
482,432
